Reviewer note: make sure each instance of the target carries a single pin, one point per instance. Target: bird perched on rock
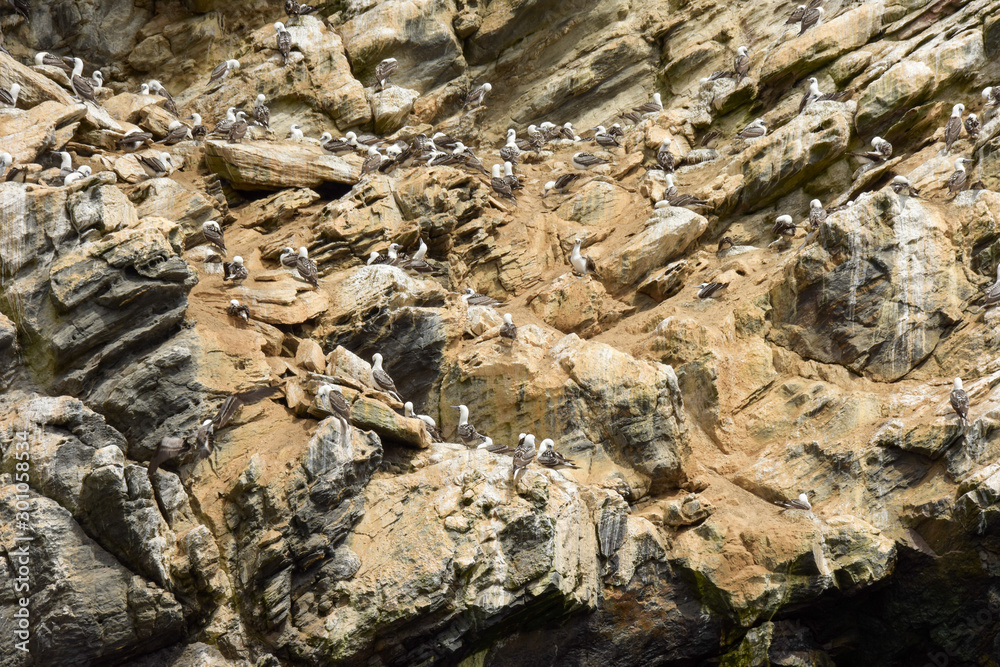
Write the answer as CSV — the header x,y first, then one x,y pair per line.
x,y
754,130
992,296
212,232
665,159
568,132
345,144
294,9
238,129
9,97
235,309
882,151
507,330
725,243
234,271
156,165
650,107
953,128
512,181
134,138
960,401
671,197
198,131
476,97
605,139
176,132
429,424
261,114
474,298
332,401
510,152
62,62
288,258
466,432
383,71
812,16
902,186
800,503
158,88
561,184
550,458
222,70
382,379
284,40
582,264
958,179
817,214
741,64
585,161
6,160
492,447
226,124
372,162
500,186
784,226
708,290
812,94
78,175
972,126
306,267
82,87
524,454
295,133
796,15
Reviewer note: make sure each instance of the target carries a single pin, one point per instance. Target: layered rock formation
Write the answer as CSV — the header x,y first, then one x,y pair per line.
x,y
823,367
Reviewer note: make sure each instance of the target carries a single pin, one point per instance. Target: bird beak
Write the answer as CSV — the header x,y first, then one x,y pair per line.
x,y
456,406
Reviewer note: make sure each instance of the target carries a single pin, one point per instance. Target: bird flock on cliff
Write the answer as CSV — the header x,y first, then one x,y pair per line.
x,y
593,155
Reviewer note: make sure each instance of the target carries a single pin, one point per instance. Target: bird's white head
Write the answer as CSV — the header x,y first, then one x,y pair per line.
x,y
408,408
815,203
260,99
670,180
957,109
232,64
238,260
551,185
234,302
784,219
656,98
876,141
303,251
174,124
487,443
546,444
960,163
496,171
487,87
196,117
86,170
325,137
5,159
508,319
511,133
97,77
742,51
529,439
373,150
568,125
972,116
958,383
279,26
508,169
144,89
40,56
210,224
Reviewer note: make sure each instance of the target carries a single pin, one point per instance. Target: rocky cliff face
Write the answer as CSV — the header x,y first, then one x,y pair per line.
x,y
824,367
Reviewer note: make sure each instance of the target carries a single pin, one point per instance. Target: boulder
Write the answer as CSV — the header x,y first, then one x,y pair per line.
x,y
667,234
260,166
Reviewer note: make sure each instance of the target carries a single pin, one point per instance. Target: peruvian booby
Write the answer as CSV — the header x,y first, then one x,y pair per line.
x,y
796,15
992,96
82,87
212,232
261,114
953,128
476,97
306,267
507,330
724,241
442,140
972,126
372,162
958,180
295,133
568,132
383,71
582,264
671,197
800,503
62,62
500,186
817,214
664,158
9,97
6,160
631,116
284,40
754,130
510,152
421,252
158,88
536,139
901,186
170,447
605,138
882,151
466,432
236,309
156,165
811,17
294,9
741,64
333,401
238,129
22,7
561,184
509,178
784,227
587,160
650,107
198,131
960,401
710,289
176,132
343,145
429,424
226,124
523,455
992,296
228,410
376,258
222,70
474,298
382,379
812,94
288,258
78,175
494,448
550,458
234,270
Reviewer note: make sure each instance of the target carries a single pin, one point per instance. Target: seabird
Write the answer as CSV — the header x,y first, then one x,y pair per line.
x,y
382,379
957,181
960,401
478,94
630,116
133,139
22,7
198,131
882,152
741,64
46,58
78,175
535,138
393,254
800,503
212,232
509,178
155,165
784,226
225,415
332,401
500,186
144,89
372,162
587,160
672,198
550,458
288,258
605,139
796,15
429,423
953,129
812,16
9,97
973,126
284,39
523,455
239,129
493,448
901,186
466,432
992,296
65,164
817,214
811,95
158,88
582,264
568,132
306,267
724,241
754,130
234,271
442,140
507,329
708,290
226,124
5,161
376,258
170,447
650,107
345,144
474,298
383,71
992,96
293,9
261,114
235,309
81,87
561,184
176,132
510,152
222,70
664,158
